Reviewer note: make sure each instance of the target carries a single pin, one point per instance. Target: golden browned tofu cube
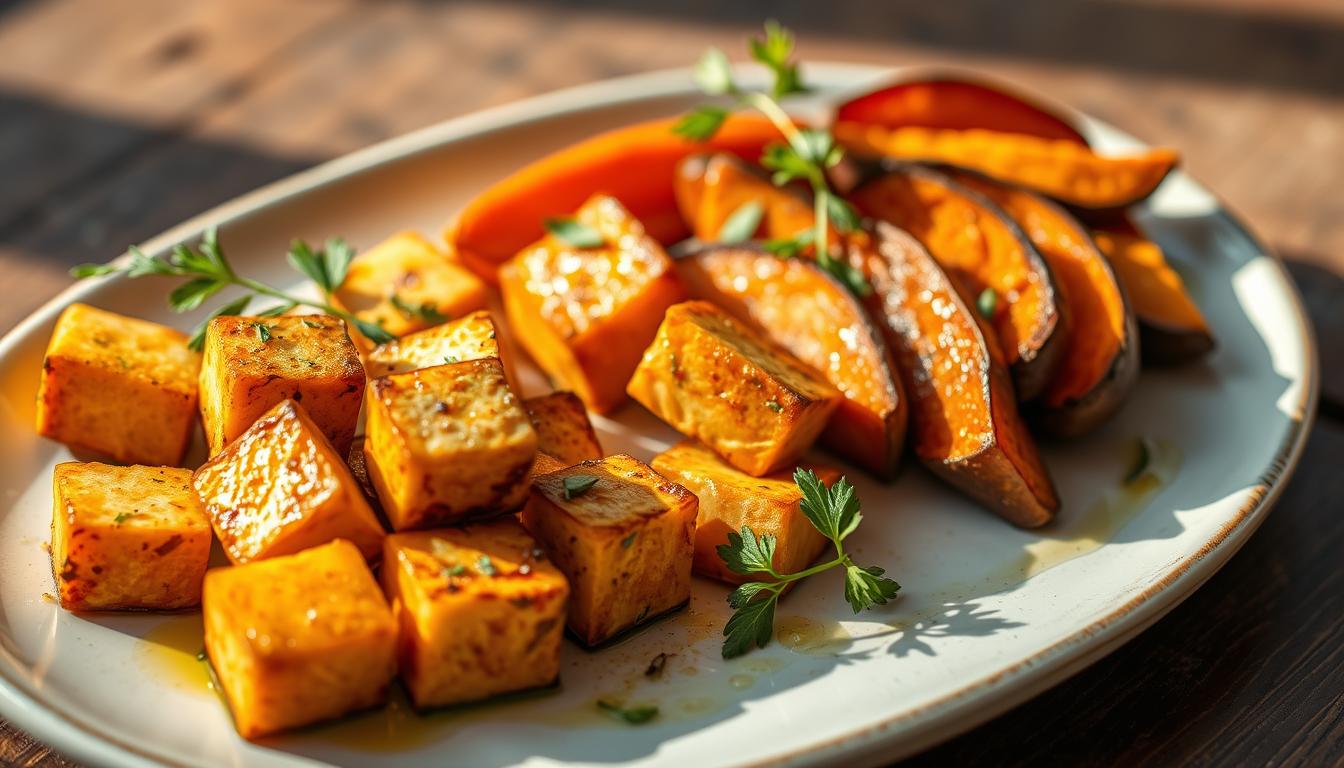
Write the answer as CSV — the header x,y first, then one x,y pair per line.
x,y
586,314
715,379
480,611
127,538
472,337
98,364
405,284
563,429
299,639
544,464
253,363
281,487
622,534
447,443
730,498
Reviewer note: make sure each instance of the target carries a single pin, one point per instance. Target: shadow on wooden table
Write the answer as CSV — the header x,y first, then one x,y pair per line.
x,y
1241,47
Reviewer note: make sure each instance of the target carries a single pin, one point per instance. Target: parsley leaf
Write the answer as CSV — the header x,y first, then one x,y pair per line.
x,y
835,513
774,51
424,311
742,223
702,123
633,715
986,302
372,331
263,332
577,485
574,233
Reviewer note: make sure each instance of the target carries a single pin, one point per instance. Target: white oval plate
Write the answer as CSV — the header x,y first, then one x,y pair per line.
x,y
969,637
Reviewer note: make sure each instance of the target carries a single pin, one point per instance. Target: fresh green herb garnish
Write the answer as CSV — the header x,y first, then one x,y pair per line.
x,y
574,233
486,566
123,362
835,512
122,517
632,715
774,406
577,485
280,309
629,540
424,311
263,332
450,359
206,271
986,302
806,154
456,570
1142,462
311,324
741,225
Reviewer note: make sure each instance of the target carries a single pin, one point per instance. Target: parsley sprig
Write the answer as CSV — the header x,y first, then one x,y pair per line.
x,y
805,156
835,512
206,270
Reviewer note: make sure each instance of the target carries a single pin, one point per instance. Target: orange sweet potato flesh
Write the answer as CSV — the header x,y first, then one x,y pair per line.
x,y
585,315
964,422
1099,361
982,248
1171,326
711,188
803,309
1063,170
635,165
955,104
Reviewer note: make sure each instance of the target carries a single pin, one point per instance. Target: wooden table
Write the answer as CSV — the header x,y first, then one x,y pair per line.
x,y
120,119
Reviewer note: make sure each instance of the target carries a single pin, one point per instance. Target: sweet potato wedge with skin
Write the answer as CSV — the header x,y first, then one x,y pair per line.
x,y
981,247
1100,360
948,102
635,164
711,377
585,315
964,420
711,188
1171,326
1071,174
802,308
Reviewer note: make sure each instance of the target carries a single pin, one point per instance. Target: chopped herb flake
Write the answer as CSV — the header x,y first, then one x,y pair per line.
x,y
577,485
485,566
426,311
629,540
986,303
742,224
1142,461
263,332
632,715
774,406
574,233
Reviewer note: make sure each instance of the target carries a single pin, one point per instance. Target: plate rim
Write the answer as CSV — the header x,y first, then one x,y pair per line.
x,y
973,703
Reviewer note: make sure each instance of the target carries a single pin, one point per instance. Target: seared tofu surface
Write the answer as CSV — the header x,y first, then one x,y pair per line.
x,y
481,611
299,639
622,534
730,498
282,487
127,538
472,337
447,443
715,379
96,363
564,431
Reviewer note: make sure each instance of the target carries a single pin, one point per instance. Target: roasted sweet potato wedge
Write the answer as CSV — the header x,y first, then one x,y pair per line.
x,y
585,315
1100,360
1171,326
985,251
802,308
964,420
711,188
636,165
1063,170
949,102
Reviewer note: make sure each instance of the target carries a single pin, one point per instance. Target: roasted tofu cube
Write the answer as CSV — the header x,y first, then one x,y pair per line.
x,y
405,284
447,443
622,534
730,498
472,337
253,363
563,429
299,639
585,314
97,364
127,538
282,487
480,612
713,378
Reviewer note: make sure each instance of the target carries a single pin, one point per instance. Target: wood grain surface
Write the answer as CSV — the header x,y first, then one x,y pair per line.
x,y
119,119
